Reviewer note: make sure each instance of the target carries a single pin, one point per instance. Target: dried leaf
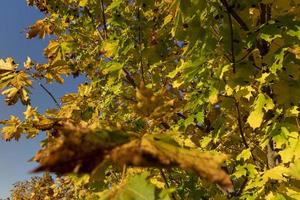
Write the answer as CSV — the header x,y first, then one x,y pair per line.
x,y
40,28
77,149
151,151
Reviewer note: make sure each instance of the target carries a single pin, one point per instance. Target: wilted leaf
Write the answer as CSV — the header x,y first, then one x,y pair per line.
x,y
77,149
40,28
151,151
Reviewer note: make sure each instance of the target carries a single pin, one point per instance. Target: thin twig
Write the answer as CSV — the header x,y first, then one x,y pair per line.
x,y
237,18
240,191
104,18
240,123
241,129
50,94
140,43
129,77
93,21
231,34
249,51
166,182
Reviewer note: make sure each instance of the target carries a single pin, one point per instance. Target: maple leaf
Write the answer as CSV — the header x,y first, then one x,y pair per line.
x,y
12,129
41,28
155,151
7,65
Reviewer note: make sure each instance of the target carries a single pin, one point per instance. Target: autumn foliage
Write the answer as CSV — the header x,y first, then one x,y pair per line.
x,y
184,99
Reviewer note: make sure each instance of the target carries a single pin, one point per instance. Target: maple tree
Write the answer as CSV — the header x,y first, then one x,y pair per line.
x,y
184,99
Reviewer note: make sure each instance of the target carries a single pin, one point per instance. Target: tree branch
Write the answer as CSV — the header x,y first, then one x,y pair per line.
x,y
241,129
103,18
129,77
240,124
50,94
237,18
231,35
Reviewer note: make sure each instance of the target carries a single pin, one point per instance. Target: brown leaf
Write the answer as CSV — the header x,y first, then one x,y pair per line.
x,y
40,28
152,151
77,149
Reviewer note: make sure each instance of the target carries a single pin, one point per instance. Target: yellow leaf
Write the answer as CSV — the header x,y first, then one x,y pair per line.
x,y
255,118
30,112
292,112
12,95
110,48
261,103
245,155
276,173
7,65
213,96
296,51
168,19
228,90
83,3
12,129
28,63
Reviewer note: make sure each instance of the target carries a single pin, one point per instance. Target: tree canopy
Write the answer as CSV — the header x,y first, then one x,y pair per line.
x,y
183,99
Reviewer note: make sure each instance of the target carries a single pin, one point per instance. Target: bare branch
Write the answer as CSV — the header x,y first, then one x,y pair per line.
x,y
50,94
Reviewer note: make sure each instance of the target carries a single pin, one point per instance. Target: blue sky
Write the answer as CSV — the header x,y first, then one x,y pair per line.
x,y
15,16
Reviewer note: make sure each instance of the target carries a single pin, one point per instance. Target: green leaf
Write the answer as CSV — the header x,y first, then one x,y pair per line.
x,y
113,5
137,188
294,33
278,64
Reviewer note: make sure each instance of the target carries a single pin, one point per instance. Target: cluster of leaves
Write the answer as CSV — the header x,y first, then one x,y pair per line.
x,y
47,188
172,86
